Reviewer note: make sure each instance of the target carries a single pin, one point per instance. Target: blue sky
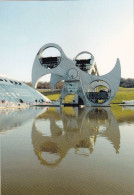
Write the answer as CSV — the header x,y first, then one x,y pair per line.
x,y
105,28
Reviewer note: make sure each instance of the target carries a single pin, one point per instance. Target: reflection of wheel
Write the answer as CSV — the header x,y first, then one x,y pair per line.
x,y
98,114
54,163
45,148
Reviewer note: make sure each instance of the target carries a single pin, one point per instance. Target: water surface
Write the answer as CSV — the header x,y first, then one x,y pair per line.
x,y
67,151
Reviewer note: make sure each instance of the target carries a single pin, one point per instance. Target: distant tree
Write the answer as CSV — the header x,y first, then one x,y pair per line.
x,y
127,83
46,85
29,83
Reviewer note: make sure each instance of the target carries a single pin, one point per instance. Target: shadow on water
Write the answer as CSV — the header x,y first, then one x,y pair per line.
x,y
72,128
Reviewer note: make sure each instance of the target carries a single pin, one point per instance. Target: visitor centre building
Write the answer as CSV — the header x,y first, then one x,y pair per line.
x,y
14,93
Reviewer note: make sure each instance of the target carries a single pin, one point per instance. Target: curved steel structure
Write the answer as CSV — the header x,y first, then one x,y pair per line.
x,y
78,78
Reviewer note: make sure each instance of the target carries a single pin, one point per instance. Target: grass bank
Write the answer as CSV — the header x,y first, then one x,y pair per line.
x,y
122,94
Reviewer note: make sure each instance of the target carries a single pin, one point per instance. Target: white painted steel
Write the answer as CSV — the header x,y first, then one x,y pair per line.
x,y
82,80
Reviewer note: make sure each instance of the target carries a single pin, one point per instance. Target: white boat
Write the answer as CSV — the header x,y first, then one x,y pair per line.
x,y
127,103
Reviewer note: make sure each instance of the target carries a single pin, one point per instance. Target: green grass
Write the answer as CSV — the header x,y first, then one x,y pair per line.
x,y
122,94
56,96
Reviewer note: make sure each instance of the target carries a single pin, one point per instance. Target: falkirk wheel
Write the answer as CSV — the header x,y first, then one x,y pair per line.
x,y
80,77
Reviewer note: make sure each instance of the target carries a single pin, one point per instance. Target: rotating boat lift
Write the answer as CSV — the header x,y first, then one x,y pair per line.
x,y
81,77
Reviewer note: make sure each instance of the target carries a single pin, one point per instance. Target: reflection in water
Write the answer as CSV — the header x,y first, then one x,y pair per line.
x,y
11,118
77,130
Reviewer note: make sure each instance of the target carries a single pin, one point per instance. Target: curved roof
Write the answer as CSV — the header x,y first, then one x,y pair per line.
x,y
16,91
